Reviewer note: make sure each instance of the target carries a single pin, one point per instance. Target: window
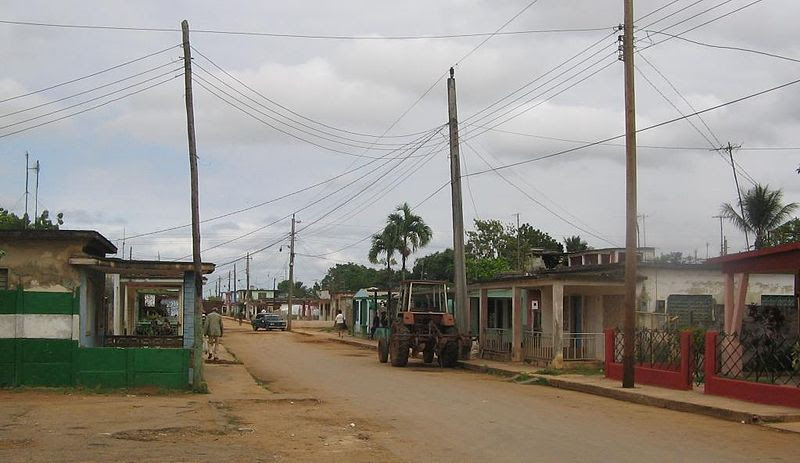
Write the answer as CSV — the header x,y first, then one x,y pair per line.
x,y
3,278
661,306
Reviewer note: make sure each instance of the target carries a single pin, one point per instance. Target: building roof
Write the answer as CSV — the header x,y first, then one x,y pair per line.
x,y
777,259
97,244
143,268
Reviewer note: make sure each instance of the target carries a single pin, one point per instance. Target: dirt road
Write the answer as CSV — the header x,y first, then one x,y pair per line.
x,y
423,413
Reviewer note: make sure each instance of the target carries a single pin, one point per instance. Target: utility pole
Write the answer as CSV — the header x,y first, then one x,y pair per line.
x,y
644,230
729,148
197,363
235,290
130,252
36,194
630,199
291,279
123,243
247,282
519,247
461,302
27,169
721,236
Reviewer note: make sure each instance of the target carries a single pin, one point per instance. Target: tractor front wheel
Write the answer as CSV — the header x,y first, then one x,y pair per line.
x,y
427,354
449,355
398,351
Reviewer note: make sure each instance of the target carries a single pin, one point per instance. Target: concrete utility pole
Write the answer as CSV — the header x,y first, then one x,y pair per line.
x,y
197,361
519,245
630,199
644,230
729,149
721,236
27,169
291,280
460,277
36,194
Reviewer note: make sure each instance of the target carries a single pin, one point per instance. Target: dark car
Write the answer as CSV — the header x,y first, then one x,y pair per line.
x,y
268,321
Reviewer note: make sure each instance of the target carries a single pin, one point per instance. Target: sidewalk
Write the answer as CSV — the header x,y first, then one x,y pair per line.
x,y
784,418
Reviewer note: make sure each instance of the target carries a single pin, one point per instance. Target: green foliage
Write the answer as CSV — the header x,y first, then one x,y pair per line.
x,y
675,258
764,211
479,269
787,233
300,290
10,221
436,266
385,243
349,277
491,239
575,244
409,231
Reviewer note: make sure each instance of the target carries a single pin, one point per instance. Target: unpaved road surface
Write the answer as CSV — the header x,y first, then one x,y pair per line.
x,y
424,413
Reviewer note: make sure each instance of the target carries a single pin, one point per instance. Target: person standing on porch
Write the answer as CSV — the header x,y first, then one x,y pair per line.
x,y
213,331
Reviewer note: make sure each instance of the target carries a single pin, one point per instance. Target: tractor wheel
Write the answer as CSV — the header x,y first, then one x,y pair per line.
x,y
449,355
383,350
398,351
427,354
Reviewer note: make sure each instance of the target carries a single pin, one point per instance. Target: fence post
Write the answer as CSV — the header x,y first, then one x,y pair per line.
x,y
710,360
686,359
608,338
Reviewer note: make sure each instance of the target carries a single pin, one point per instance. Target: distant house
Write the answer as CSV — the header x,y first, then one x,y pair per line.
x,y
552,316
69,315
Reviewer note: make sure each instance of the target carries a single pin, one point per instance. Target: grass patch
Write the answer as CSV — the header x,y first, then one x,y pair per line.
x,y
550,372
585,370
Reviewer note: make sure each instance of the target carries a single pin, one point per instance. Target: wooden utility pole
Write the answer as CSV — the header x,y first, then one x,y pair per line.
x,y
721,235
729,149
461,302
519,245
629,325
27,170
36,194
291,279
197,363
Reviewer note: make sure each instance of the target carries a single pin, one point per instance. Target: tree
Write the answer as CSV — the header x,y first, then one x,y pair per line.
x,y
488,239
349,277
10,221
491,240
436,266
763,212
479,269
411,231
575,244
789,232
386,243
300,290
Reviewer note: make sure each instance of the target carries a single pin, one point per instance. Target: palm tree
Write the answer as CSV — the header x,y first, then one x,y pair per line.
x,y
385,243
411,230
763,212
575,244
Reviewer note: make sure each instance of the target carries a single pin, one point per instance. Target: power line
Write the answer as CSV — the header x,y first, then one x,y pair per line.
x,y
650,127
90,108
727,47
301,36
90,75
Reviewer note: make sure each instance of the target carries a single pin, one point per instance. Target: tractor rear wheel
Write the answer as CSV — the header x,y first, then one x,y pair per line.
x,y
398,351
383,350
449,355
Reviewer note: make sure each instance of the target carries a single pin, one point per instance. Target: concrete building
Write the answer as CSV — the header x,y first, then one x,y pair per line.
x,y
558,315
69,315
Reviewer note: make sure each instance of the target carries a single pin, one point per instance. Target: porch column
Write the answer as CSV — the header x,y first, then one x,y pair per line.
x,y
117,305
483,309
739,303
516,324
188,315
558,325
728,301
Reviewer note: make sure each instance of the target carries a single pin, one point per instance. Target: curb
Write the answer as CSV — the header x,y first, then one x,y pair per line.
x,y
637,398
349,342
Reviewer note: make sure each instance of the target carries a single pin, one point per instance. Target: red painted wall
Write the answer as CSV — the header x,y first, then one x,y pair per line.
x,y
652,375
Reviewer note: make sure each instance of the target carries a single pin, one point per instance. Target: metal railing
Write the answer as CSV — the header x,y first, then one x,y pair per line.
x,y
537,345
497,343
652,348
583,346
768,358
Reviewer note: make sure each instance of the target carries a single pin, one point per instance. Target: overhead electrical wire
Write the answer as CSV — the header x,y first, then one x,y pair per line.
x,y
300,36
727,47
87,76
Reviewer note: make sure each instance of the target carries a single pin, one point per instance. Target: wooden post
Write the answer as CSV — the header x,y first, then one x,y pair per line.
x,y
558,325
461,302
516,324
197,364
291,280
630,199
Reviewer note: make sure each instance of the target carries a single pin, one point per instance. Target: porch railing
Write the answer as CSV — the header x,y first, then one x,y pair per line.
x,y
576,346
144,341
583,346
537,345
497,343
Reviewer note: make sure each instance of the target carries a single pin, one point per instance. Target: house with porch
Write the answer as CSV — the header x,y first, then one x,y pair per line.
x,y
69,315
554,316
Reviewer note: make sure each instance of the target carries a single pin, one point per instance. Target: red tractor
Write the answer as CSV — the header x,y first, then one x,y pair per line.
x,y
421,322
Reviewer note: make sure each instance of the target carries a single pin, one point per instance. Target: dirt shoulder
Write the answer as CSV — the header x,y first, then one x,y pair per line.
x,y
239,420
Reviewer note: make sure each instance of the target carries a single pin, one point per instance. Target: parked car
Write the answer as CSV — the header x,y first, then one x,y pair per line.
x,y
268,321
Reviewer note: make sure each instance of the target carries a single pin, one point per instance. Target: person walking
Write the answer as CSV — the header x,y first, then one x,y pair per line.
x,y
339,322
213,331
376,323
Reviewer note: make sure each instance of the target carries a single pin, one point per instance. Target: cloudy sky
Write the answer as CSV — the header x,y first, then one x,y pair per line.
x,y
275,115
